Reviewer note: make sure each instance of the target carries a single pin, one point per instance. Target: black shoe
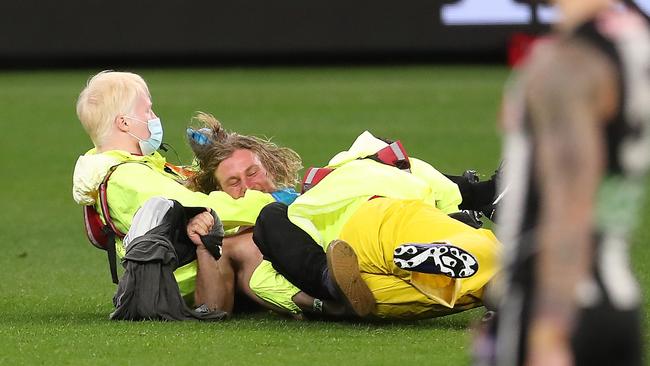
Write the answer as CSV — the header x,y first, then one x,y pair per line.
x,y
203,312
436,258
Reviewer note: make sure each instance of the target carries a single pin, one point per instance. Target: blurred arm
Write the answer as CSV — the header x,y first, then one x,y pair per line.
x,y
571,90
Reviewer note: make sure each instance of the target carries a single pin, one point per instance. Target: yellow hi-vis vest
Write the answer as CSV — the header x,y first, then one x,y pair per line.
x,y
325,208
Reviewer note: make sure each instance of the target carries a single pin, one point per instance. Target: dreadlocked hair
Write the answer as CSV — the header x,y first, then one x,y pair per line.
x,y
281,163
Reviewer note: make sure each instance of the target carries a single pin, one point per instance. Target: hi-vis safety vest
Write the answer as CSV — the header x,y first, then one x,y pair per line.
x,y
102,235
394,155
366,170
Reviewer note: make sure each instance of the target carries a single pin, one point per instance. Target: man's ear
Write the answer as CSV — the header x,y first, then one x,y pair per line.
x,y
121,123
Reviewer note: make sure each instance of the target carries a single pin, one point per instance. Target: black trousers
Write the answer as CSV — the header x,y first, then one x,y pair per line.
x,y
476,195
608,336
293,253
604,335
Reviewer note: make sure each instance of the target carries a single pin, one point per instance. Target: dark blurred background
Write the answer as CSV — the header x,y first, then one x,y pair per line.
x,y
74,33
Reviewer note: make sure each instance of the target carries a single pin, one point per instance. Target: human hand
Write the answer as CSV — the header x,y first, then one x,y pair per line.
x,y
548,344
199,225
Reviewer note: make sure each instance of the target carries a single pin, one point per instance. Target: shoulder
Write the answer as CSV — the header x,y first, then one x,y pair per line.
x,y
565,72
133,171
566,61
133,166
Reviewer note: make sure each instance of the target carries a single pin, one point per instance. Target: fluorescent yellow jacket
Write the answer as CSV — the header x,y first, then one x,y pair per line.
x,y
324,209
133,184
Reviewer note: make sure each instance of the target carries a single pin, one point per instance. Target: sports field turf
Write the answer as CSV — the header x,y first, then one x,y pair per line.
x,y
55,291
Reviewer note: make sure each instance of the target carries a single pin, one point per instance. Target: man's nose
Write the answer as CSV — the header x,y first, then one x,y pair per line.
x,y
247,184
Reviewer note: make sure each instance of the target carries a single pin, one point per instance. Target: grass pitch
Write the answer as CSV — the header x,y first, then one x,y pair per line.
x,y
56,291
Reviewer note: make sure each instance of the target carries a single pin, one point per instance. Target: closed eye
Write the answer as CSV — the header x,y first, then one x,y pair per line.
x,y
252,172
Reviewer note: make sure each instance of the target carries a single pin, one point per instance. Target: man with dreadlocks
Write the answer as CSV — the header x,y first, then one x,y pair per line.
x,y
297,251
234,163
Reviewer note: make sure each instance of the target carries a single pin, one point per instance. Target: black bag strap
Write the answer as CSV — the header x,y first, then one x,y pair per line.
x,y
111,254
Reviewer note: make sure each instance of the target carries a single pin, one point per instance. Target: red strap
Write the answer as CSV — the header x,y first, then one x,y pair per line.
x,y
394,155
313,176
94,225
103,202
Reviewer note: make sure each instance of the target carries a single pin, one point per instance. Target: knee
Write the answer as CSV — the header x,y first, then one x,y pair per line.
x,y
240,249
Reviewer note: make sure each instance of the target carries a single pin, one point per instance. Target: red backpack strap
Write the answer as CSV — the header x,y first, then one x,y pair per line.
x,y
102,235
394,155
313,176
103,202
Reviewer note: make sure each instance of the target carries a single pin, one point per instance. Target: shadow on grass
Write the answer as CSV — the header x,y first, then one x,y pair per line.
x,y
457,321
257,319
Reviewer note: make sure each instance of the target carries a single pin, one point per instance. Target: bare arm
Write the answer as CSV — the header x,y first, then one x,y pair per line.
x,y
215,279
570,90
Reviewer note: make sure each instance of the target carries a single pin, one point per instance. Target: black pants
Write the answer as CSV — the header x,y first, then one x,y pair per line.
x,y
608,336
293,253
476,195
604,335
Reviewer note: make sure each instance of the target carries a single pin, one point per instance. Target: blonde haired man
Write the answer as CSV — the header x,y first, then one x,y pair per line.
x,y
115,109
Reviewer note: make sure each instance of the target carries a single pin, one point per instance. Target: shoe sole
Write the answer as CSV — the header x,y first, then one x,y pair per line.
x,y
436,258
343,266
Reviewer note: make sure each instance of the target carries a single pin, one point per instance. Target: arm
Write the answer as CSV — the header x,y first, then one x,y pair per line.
x,y
570,90
215,279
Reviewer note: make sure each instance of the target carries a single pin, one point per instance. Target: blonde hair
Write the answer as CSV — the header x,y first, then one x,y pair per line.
x,y
281,163
107,95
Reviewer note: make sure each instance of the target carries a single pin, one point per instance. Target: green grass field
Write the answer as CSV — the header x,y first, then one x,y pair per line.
x,y
55,294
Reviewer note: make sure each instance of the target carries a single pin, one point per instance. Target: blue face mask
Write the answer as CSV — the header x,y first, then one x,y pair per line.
x,y
150,145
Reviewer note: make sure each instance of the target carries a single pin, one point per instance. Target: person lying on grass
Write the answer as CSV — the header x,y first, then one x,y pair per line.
x,y
414,260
